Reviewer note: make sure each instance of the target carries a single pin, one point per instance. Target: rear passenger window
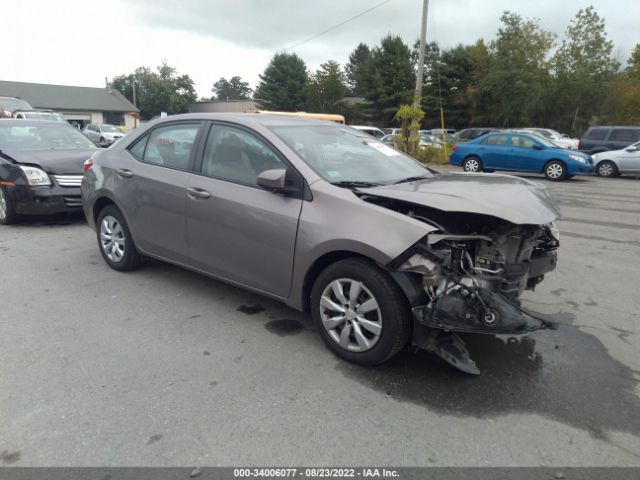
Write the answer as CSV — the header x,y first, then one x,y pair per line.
x,y
169,145
496,140
597,134
630,135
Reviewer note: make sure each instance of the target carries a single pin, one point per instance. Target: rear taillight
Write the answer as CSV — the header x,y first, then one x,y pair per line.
x,y
86,166
580,144
455,148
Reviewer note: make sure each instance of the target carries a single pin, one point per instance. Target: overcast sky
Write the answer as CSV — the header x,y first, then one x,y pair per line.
x,y
80,42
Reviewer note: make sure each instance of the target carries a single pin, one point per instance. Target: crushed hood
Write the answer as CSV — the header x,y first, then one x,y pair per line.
x,y
53,161
510,198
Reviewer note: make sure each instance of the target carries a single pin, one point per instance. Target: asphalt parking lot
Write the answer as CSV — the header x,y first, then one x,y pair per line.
x,y
167,367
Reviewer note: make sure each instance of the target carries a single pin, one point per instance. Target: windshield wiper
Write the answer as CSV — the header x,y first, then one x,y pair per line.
x,y
411,179
355,184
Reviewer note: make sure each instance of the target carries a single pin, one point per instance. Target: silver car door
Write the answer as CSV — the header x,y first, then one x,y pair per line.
x,y
630,158
237,230
151,188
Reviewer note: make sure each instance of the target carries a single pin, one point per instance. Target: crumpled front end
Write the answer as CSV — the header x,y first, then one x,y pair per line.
x,y
472,283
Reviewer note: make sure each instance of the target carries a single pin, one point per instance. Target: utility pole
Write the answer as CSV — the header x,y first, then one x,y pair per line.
x,y
423,38
133,86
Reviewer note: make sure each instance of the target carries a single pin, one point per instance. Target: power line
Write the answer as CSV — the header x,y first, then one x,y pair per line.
x,y
336,26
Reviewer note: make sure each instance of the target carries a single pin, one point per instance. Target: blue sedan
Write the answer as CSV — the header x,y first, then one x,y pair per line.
x,y
520,152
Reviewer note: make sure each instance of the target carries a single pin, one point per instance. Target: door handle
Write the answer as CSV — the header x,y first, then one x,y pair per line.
x,y
196,193
124,173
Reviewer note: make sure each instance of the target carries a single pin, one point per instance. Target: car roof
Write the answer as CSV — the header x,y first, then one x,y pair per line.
x,y
249,118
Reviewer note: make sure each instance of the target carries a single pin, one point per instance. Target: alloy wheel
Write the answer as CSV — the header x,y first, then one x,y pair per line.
x,y
555,171
605,170
112,238
472,165
351,315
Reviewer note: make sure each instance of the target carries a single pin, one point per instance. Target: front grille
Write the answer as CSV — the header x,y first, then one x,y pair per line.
x,y
73,201
68,180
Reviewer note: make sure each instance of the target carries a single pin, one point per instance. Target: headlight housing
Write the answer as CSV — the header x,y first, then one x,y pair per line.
x,y
35,176
578,158
554,231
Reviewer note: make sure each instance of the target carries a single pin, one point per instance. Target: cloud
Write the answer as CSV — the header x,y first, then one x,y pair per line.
x,y
208,39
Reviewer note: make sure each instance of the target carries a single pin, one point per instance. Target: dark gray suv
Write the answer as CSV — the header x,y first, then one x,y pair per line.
x,y
603,139
382,251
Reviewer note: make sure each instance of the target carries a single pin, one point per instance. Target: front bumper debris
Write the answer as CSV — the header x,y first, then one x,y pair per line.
x,y
479,311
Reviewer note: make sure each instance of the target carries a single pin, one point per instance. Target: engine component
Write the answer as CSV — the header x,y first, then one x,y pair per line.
x,y
478,310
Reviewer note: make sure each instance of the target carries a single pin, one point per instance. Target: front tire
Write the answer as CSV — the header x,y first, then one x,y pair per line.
x,y
607,168
360,312
472,165
555,171
115,240
8,214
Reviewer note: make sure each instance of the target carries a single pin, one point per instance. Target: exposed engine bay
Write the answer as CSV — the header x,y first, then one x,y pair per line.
x,y
470,272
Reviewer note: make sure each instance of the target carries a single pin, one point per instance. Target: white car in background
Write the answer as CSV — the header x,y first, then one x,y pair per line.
x,y
558,138
425,141
48,115
373,131
616,162
103,134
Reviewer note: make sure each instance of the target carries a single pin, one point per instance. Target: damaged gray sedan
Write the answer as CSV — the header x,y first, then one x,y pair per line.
x,y
383,252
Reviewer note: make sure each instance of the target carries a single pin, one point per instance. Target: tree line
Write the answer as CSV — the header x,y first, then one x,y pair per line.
x,y
525,76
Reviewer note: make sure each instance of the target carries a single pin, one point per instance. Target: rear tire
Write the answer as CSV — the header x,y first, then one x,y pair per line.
x,y
472,165
115,241
8,215
607,168
555,171
360,312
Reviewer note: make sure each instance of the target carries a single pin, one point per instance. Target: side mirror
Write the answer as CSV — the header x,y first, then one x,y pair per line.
x,y
274,180
537,147
631,148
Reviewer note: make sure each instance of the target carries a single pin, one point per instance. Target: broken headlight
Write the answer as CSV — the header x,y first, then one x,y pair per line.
x,y
554,231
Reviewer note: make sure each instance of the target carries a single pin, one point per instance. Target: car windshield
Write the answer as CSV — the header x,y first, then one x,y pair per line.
x,y
540,138
542,133
14,104
42,137
108,128
339,154
555,133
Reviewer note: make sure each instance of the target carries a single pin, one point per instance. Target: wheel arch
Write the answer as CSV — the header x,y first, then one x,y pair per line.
x,y
407,283
104,199
470,155
100,204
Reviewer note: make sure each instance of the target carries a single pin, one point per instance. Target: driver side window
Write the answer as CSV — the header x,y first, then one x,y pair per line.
x,y
522,142
237,156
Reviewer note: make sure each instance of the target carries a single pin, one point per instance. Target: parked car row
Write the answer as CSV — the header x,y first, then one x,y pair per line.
x,y
607,151
103,135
